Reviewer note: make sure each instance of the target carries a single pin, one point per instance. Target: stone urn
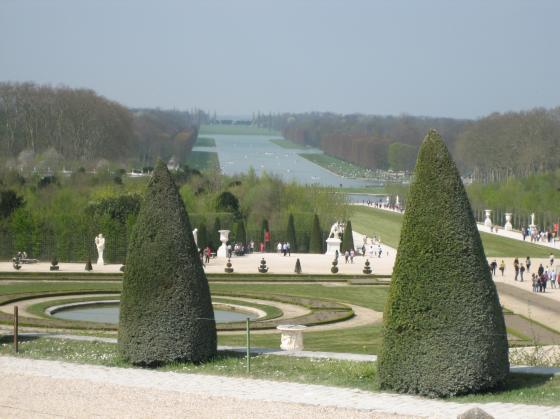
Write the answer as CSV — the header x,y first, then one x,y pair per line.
x,y
488,220
222,250
508,225
228,269
262,267
334,268
367,269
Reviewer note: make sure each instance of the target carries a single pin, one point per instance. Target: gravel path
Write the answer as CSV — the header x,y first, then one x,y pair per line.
x,y
45,389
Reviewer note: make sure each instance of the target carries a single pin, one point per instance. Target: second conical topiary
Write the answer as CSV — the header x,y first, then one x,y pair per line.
x,y
315,240
166,312
444,328
347,238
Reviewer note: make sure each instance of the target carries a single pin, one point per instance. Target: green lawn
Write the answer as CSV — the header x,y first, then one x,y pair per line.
x,y
205,142
235,130
289,144
203,161
340,167
387,226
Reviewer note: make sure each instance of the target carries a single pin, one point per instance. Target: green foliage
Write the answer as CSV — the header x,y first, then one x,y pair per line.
x,y
118,208
444,329
240,233
227,202
291,233
316,241
166,312
202,237
9,202
402,156
347,238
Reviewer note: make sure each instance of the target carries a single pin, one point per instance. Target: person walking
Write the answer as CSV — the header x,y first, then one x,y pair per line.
x,y
553,278
535,282
352,253
551,260
516,267
540,271
528,264
502,267
521,271
493,267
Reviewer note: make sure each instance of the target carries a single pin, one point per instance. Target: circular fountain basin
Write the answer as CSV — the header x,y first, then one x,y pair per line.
x,y
108,312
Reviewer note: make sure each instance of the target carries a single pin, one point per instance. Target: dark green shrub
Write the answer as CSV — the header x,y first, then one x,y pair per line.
x,y
202,237
291,233
444,329
240,233
315,240
347,238
166,313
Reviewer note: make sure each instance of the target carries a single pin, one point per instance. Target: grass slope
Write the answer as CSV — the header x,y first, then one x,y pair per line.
x,y
387,225
289,144
235,130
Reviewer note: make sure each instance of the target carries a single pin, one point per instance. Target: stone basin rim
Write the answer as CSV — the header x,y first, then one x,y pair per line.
x,y
50,311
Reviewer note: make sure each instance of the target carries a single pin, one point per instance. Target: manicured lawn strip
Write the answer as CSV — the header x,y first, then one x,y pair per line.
x,y
289,144
38,288
235,130
205,142
203,161
358,340
519,388
60,276
387,226
371,297
271,311
338,166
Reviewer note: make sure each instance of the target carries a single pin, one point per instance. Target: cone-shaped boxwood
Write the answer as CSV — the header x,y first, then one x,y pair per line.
x,y
291,233
166,313
444,328
347,238
315,240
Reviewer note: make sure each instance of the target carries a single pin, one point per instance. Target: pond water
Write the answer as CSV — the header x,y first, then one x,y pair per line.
x,y
237,153
364,198
109,313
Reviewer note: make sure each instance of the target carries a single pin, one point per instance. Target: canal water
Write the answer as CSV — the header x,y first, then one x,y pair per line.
x,y
109,313
237,153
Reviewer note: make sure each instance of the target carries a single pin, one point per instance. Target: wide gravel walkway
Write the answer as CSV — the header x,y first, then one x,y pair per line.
x,y
45,389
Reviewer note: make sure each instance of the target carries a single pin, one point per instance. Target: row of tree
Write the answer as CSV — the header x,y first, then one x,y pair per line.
x,y
493,148
53,124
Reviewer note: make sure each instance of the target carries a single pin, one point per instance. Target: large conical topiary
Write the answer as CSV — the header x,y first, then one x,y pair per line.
x,y
444,328
348,237
166,313
315,240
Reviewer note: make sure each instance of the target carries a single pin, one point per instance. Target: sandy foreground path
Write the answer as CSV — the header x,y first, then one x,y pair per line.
x,y
49,389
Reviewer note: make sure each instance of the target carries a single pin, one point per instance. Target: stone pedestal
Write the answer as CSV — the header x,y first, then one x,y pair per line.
x,y
292,337
508,225
333,244
222,250
488,220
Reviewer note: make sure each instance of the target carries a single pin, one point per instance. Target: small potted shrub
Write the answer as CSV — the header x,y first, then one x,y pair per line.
x,y
297,268
54,264
89,268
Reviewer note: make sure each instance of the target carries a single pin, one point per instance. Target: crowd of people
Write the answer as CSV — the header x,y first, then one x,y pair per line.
x,y
541,279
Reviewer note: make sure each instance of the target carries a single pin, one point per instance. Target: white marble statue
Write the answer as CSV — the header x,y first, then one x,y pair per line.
x,y
336,231
195,236
100,244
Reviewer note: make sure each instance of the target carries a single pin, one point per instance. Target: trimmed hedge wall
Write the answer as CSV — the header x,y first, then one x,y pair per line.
x,y
444,329
166,311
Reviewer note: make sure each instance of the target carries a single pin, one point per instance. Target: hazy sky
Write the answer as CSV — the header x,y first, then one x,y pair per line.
x,y
439,58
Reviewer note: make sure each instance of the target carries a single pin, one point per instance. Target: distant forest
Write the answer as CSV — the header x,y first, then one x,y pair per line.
x,y
58,123
490,149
